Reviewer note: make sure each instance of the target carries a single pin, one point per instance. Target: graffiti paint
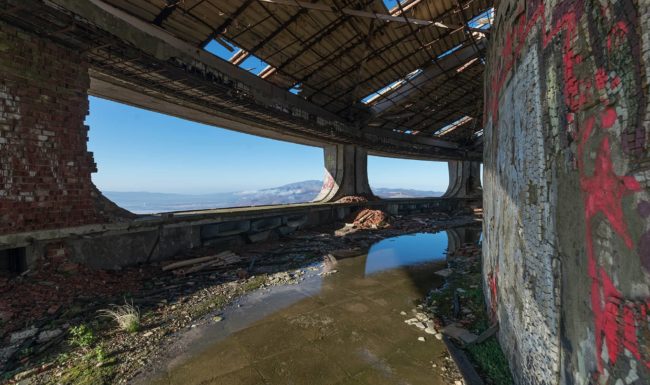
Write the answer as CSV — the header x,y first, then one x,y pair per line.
x,y
589,97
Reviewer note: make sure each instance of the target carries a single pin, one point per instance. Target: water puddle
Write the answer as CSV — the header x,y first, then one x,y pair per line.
x,y
343,328
406,250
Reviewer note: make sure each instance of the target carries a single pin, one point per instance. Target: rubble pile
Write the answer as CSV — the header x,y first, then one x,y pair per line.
x,y
49,290
370,219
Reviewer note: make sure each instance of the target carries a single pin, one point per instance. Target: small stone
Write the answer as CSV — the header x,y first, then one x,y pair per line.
x,y
5,316
217,318
439,336
147,334
6,353
402,312
22,335
458,382
444,272
48,335
53,309
421,339
430,331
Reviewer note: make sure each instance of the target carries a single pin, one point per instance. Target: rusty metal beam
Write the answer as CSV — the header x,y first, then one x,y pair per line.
x,y
222,28
166,12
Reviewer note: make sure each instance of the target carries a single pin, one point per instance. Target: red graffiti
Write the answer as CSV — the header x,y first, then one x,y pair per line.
x,y
605,190
328,183
616,321
617,33
492,282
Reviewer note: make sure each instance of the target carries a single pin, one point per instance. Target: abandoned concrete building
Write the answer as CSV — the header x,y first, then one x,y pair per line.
x,y
551,98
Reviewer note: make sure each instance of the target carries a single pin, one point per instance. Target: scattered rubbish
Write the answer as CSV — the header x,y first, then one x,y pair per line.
x,y
197,264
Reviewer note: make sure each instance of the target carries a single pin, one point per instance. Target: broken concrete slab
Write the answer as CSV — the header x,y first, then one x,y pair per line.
x,y
48,335
22,335
459,333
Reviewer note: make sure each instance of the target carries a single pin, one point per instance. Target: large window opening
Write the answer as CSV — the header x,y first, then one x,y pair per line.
x,y
407,178
149,162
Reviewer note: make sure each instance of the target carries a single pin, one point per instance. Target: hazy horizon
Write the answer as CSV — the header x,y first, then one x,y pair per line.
x,y
144,202
139,150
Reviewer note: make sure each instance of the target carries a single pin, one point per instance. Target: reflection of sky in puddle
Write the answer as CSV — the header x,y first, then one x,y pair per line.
x,y
406,250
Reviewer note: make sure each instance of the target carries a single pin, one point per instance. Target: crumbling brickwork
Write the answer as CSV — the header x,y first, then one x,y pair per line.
x,y
45,167
566,177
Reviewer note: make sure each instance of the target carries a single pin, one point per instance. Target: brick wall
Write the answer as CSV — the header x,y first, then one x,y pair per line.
x,y
566,190
45,167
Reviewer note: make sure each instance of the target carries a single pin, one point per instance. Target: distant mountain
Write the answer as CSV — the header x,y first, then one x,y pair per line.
x,y
148,202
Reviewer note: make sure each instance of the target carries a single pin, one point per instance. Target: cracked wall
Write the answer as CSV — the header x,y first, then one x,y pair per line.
x,y
45,167
566,175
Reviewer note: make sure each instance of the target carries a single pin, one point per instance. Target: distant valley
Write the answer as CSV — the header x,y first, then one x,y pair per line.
x,y
149,202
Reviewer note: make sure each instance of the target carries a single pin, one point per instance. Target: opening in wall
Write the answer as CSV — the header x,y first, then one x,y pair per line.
x,y
13,261
407,178
149,162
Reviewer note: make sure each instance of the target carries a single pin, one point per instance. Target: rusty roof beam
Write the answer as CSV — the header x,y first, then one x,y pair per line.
x,y
224,26
349,11
329,82
282,27
166,12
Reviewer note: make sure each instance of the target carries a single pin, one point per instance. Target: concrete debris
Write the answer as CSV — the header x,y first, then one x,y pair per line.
x,y
329,263
421,339
459,333
422,322
196,264
48,335
489,332
22,335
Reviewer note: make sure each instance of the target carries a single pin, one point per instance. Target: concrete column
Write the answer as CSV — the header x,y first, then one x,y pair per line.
x,y
464,180
346,173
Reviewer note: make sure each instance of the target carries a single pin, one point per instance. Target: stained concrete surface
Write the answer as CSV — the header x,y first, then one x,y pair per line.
x,y
343,328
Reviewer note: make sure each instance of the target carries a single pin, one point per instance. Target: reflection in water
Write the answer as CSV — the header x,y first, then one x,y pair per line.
x,y
406,250
345,328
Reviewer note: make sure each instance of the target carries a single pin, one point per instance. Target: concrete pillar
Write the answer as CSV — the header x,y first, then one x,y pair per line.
x,y
464,180
346,173
566,251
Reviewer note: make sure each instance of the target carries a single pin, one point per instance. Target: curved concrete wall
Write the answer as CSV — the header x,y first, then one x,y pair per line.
x,y
346,173
566,197
464,179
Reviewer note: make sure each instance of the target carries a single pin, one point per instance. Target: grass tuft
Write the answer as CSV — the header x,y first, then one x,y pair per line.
x,y
126,316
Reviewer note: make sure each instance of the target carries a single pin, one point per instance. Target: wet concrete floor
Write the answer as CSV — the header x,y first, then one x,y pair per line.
x,y
342,328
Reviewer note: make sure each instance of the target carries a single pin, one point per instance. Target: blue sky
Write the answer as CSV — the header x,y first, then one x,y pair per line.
x,y
139,150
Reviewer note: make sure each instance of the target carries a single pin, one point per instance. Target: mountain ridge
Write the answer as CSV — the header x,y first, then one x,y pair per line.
x,y
144,202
